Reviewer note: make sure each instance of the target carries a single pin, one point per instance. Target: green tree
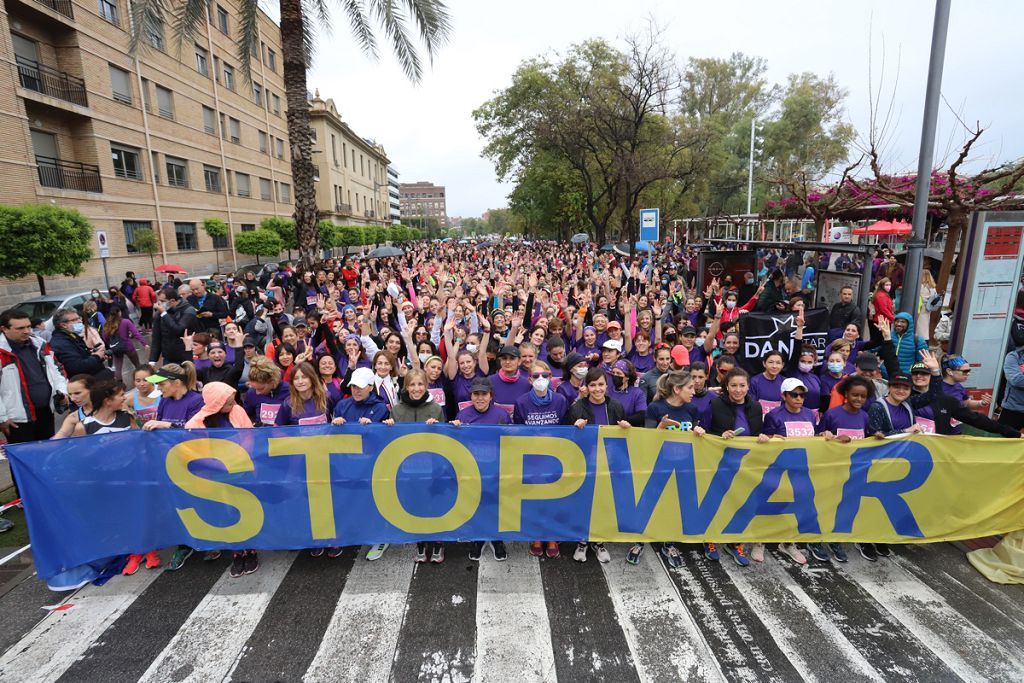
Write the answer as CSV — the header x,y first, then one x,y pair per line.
x,y
146,242
216,229
261,242
285,229
43,239
415,233
398,233
380,234
298,20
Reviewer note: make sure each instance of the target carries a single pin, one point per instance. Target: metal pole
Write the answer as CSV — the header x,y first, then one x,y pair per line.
x,y
106,278
750,169
916,243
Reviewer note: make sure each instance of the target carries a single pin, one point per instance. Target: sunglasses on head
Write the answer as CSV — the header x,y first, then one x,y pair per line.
x,y
538,375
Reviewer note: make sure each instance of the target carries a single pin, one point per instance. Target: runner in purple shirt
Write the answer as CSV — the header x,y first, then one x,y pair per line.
x,y
702,396
266,392
625,391
178,398
791,419
462,367
541,405
574,370
307,402
848,421
641,355
509,382
766,387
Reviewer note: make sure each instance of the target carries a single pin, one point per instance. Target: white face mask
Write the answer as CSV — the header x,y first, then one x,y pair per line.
x,y
580,372
423,357
806,367
730,304
541,384
472,348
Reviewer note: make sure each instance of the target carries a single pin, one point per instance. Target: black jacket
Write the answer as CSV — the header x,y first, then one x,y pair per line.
x,y
723,416
581,409
167,334
842,315
229,373
213,304
71,352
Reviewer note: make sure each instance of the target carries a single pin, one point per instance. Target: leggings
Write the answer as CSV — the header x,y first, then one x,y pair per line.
x,y
133,356
146,317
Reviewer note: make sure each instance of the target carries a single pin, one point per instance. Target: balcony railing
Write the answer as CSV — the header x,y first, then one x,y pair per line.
x,y
48,81
59,6
68,175
369,213
343,209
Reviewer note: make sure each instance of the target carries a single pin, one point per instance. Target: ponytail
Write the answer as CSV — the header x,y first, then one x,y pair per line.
x,y
668,382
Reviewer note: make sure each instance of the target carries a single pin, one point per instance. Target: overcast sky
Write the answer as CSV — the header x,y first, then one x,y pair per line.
x,y
428,129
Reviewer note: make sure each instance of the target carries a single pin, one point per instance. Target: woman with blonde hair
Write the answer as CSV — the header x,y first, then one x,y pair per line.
x,y
266,393
924,315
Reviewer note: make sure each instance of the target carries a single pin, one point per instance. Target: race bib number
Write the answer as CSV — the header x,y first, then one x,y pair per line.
x,y
507,407
952,423
797,429
926,425
768,406
310,300
315,420
437,395
268,412
464,404
852,433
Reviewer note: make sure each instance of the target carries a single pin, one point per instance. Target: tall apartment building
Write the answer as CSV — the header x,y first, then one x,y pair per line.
x,y
394,196
423,199
351,172
158,141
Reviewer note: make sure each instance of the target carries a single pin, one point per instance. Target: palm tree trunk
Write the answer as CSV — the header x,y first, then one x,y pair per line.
x,y
298,130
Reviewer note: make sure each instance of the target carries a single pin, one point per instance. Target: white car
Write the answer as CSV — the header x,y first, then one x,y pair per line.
x,y
46,305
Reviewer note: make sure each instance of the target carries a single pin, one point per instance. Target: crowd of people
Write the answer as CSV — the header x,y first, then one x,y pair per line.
x,y
552,334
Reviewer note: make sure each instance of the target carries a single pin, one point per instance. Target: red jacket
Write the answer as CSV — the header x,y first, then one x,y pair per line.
x,y
144,296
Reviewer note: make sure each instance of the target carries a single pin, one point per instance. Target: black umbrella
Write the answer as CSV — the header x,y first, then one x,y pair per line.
x,y
608,247
580,238
382,252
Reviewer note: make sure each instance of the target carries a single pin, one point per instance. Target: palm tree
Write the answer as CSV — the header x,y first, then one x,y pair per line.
x,y
429,18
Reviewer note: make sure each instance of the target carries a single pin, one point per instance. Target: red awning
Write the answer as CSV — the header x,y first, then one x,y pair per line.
x,y
882,228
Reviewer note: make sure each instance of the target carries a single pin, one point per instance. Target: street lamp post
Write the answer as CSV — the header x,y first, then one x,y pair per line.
x,y
750,168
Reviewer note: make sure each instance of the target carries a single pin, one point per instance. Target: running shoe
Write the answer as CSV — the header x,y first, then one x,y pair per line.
x,y
238,564
437,554
5,525
316,552
580,554
133,565
552,550
602,553
883,549
499,550
738,554
838,552
633,556
793,552
252,562
152,559
757,552
376,551
818,552
868,552
421,552
181,553
711,551
536,548
672,555
211,556
334,551
476,550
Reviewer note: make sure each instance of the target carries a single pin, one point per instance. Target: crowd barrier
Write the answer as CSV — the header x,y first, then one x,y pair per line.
x,y
297,487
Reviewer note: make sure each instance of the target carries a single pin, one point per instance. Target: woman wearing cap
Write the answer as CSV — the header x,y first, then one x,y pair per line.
x,y
733,413
574,371
218,369
624,390
266,392
672,409
364,406
221,411
596,408
510,381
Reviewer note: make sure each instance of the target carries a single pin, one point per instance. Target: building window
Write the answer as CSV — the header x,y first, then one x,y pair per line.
x,y
241,184
312,134
284,191
120,84
145,96
185,234
131,232
202,61
316,173
126,162
275,104
165,102
248,227
263,140
272,60
257,93
155,36
236,130
222,19
229,76
177,172
253,50
216,69
220,242
334,149
108,10
344,154
265,189
211,176
155,168
279,143
223,127
208,121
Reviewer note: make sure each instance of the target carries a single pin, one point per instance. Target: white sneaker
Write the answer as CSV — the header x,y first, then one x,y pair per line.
x,y
580,554
602,553
794,553
376,552
757,552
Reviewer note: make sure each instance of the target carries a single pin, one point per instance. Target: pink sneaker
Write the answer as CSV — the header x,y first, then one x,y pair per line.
x,y
133,565
757,552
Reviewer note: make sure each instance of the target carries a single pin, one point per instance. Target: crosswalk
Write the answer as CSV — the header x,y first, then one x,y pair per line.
x,y
922,615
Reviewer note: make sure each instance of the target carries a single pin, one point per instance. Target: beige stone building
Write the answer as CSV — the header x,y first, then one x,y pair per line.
x,y
351,172
158,142
424,199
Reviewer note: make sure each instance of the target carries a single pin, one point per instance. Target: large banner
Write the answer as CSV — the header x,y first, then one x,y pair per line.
x,y
298,487
764,332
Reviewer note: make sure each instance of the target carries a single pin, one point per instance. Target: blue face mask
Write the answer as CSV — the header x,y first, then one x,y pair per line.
x,y
78,328
835,368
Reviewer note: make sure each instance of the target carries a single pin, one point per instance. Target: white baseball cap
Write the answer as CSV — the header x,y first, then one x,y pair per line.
x,y
362,377
791,383
612,344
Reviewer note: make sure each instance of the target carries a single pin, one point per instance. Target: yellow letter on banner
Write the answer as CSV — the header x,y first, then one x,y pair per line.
x,y
235,459
318,450
467,474
511,489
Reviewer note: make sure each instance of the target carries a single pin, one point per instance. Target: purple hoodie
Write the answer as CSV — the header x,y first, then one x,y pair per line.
x,y
506,393
262,410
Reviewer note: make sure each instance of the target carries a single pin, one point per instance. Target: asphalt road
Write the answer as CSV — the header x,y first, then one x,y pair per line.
x,y
923,615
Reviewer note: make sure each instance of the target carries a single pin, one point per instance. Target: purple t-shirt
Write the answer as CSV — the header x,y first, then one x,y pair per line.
x,y
494,415
506,393
842,422
309,415
570,392
600,412
641,363
262,409
780,421
703,401
179,409
741,420
527,412
813,384
633,399
899,415
767,392
460,388
956,390
698,354
826,383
